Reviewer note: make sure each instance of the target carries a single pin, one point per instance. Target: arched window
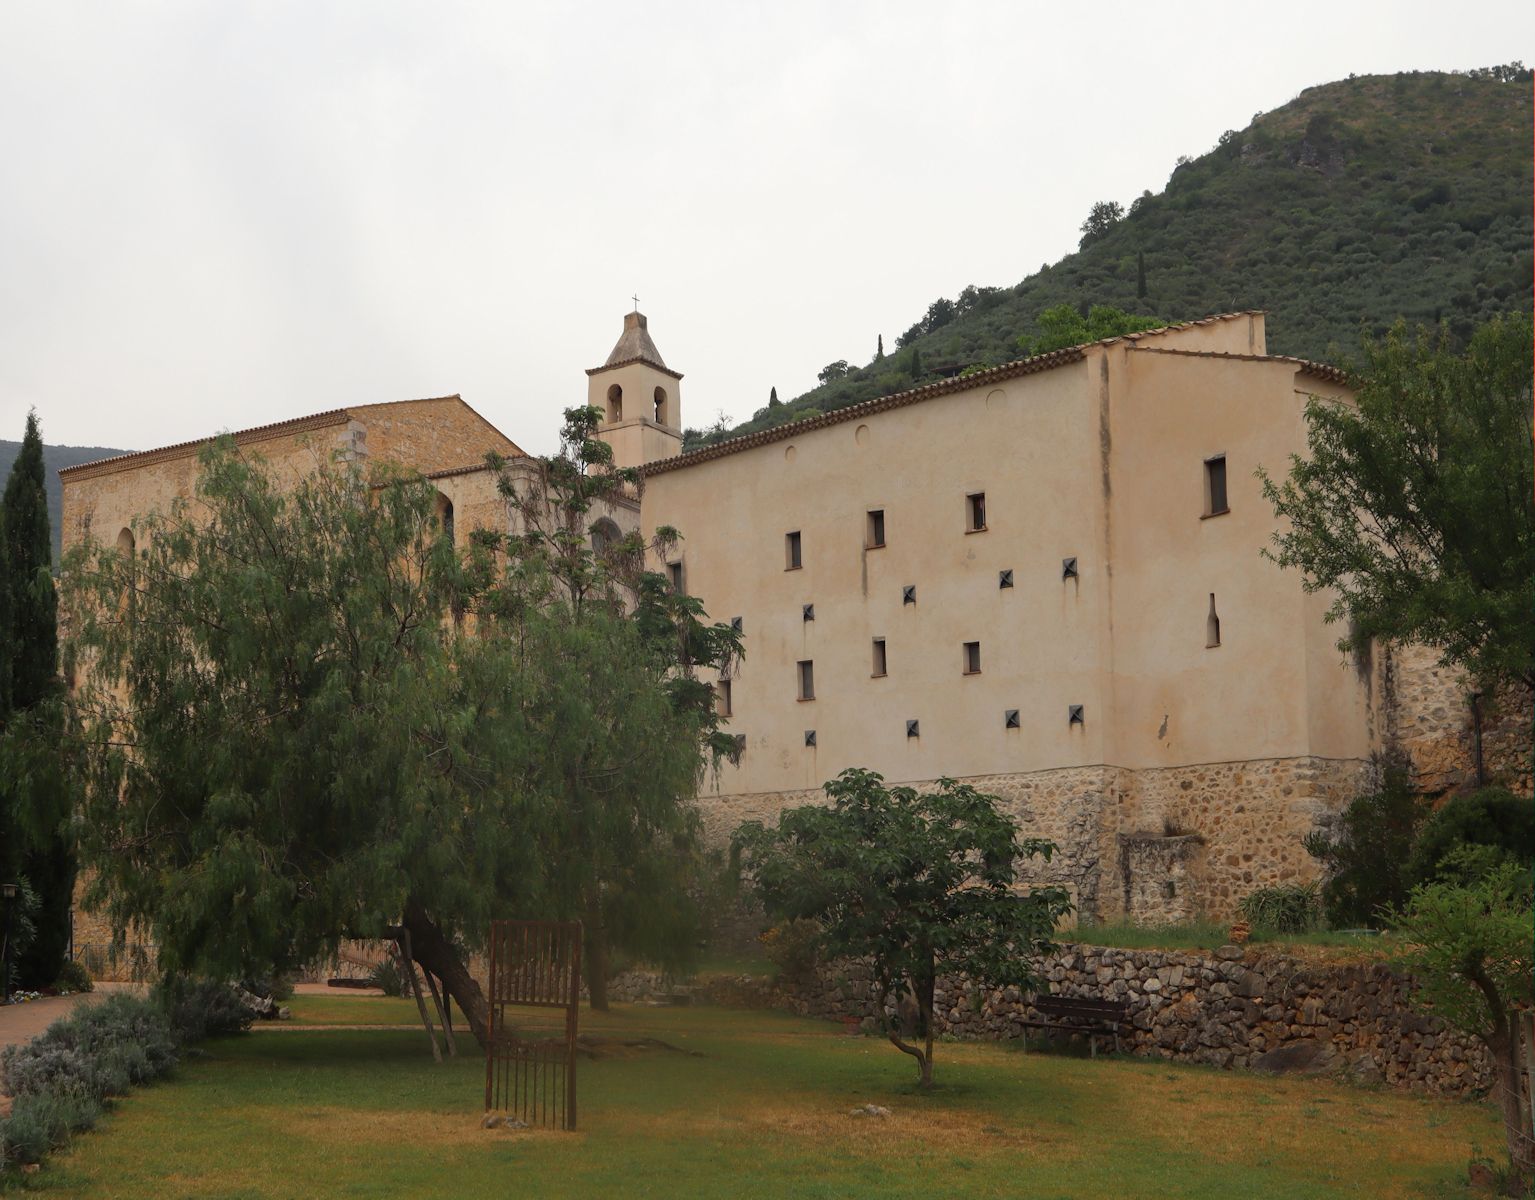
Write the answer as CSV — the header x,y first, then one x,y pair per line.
x,y
661,413
445,517
125,543
615,403
605,537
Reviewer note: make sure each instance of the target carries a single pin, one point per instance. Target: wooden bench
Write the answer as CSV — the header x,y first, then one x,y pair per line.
x,y
1095,1018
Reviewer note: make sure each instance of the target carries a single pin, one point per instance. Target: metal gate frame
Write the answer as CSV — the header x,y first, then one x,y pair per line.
x,y
533,964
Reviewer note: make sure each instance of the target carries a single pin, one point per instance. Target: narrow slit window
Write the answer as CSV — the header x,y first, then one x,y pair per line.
x,y
674,574
807,612
876,529
975,512
972,658
879,658
792,557
1212,626
722,698
909,594
1215,486
806,679
810,738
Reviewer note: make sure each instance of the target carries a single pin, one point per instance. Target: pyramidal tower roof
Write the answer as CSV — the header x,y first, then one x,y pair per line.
x,y
635,345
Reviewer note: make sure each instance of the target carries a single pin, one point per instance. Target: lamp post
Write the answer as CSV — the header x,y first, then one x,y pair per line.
x,y
8,891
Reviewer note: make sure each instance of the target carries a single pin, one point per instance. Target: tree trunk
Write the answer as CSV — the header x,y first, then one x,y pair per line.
x,y
432,949
596,945
1516,1126
923,990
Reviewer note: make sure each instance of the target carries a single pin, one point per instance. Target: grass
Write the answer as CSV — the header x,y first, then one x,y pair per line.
x,y
761,1112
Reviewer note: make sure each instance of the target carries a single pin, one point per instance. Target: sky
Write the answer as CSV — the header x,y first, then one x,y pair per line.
x,y
218,215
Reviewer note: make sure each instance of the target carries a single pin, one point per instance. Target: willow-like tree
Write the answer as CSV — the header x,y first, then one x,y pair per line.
x,y
918,884
306,718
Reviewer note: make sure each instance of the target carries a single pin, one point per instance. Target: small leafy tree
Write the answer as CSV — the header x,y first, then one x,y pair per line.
x,y
1416,504
1064,325
918,884
1103,216
832,372
1365,853
1469,949
1502,823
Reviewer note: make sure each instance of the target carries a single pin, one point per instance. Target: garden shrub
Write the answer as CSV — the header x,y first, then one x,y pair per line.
x,y
792,947
73,977
1287,908
202,1008
387,978
1491,817
1365,852
43,1122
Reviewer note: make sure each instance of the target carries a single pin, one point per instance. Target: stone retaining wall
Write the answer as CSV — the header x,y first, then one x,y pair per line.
x,y
1229,1009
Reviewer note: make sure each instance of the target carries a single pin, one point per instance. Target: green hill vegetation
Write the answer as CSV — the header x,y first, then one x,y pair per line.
x,y
1358,203
54,457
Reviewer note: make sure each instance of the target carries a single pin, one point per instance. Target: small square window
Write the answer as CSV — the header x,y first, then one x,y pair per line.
x,y
674,574
879,657
1010,719
972,658
875,533
975,512
1074,714
912,730
909,594
1215,486
793,559
807,612
1068,568
806,679
722,697
1004,579
735,624
810,737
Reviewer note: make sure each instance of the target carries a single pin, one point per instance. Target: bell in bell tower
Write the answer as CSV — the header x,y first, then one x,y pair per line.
x,y
640,398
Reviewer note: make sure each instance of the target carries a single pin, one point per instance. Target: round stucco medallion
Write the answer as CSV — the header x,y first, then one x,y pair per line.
x,y
861,435
788,454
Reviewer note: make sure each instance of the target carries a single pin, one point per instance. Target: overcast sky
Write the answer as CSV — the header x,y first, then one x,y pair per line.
x,y
216,215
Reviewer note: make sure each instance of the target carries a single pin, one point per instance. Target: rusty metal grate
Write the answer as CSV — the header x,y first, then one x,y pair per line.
x,y
533,964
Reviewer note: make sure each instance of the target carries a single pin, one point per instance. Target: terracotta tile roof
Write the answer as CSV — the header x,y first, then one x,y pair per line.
x,y
1305,366
243,437
931,391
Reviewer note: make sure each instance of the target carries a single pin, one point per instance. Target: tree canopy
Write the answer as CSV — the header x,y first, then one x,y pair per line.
x,y
309,716
917,883
1416,503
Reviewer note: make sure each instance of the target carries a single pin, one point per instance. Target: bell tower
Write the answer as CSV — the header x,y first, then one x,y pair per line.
x,y
640,398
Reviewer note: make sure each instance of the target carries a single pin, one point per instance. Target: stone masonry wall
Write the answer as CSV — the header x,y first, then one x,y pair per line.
x,y
1430,718
1215,832
1228,1009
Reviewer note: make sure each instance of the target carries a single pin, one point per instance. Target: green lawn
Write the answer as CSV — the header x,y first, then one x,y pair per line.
x,y
762,1112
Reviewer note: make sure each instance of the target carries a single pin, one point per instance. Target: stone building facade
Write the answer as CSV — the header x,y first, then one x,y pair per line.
x,y
1043,578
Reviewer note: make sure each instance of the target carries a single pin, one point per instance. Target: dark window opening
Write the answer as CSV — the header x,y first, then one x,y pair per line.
x,y
723,698
876,531
879,657
1010,719
975,510
661,413
1068,568
909,594
735,624
1215,486
972,658
912,730
806,679
810,737
674,573
615,403
445,517
807,612
1004,579
1212,626
1074,715
792,558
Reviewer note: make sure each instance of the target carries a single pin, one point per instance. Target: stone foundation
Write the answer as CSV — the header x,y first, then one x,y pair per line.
x,y
1155,846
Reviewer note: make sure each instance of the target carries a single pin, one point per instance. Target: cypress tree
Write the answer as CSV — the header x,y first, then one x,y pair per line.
x,y
879,353
916,364
30,781
773,400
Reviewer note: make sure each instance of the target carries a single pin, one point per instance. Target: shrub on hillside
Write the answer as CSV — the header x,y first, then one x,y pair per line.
x,y
1491,817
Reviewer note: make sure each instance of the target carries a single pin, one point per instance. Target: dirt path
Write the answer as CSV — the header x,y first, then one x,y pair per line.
x,y
23,1022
